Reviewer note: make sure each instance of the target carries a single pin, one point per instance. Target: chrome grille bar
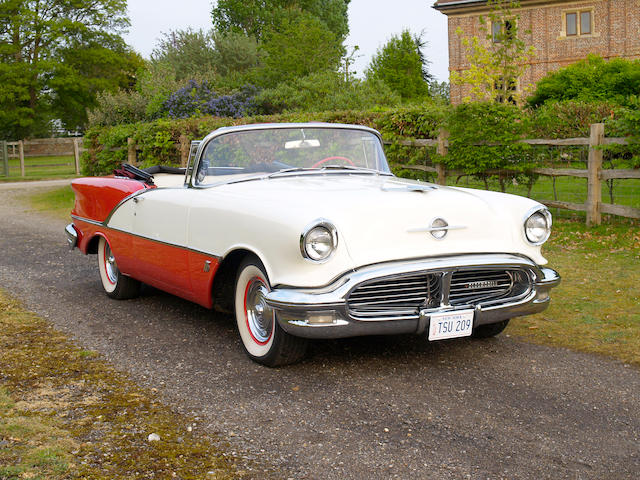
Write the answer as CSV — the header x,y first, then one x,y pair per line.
x,y
396,297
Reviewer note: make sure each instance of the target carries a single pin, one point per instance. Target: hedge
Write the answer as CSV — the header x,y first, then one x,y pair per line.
x,y
470,125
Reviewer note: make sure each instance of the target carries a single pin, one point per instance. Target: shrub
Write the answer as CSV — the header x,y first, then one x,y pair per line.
x,y
626,123
593,79
484,140
117,108
194,99
569,118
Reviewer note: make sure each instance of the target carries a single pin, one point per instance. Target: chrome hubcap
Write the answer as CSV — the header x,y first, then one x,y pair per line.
x,y
259,315
111,267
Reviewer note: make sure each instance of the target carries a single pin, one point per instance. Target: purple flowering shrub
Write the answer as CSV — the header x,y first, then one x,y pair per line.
x,y
200,99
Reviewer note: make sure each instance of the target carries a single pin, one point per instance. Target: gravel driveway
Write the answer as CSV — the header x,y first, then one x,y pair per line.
x,y
367,408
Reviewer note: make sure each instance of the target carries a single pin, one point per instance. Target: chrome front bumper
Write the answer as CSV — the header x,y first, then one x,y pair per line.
x,y
324,313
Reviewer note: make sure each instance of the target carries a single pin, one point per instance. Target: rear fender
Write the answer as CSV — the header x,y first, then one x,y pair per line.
x,y
96,197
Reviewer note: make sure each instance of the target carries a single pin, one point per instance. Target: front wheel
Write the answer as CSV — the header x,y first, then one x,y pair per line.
x,y
115,284
490,330
263,339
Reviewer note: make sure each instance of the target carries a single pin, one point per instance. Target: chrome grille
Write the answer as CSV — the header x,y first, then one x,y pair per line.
x,y
395,297
481,285
403,296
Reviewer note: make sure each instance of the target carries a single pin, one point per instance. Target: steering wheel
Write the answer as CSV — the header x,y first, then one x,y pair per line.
x,y
325,160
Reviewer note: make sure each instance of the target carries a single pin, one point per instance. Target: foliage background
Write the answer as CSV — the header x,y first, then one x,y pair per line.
x,y
475,130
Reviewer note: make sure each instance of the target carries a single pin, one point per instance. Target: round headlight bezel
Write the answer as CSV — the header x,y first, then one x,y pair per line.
x,y
319,226
537,213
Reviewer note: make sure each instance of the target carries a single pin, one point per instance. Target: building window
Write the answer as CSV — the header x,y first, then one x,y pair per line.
x,y
572,24
585,23
505,90
501,31
496,28
578,23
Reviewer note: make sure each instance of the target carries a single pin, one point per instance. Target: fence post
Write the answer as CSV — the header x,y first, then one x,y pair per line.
x,y
131,151
76,155
21,156
185,147
442,151
594,184
5,157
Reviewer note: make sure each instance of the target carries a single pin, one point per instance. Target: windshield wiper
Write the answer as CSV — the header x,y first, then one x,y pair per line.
x,y
290,170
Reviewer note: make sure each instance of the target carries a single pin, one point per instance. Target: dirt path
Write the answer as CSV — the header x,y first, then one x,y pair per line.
x,y
34,184
369,408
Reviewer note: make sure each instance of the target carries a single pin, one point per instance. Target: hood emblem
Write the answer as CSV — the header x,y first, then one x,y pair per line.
x,y
438,228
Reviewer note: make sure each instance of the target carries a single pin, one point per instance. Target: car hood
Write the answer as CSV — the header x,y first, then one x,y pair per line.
x,y
383,218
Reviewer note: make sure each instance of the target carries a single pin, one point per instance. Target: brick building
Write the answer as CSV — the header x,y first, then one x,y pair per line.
x,y
562,32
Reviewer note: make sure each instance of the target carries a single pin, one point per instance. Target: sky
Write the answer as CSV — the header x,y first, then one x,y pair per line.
x,y
371,24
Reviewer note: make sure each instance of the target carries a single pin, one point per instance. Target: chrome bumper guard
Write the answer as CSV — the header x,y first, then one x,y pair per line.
x,y
72,236
323,312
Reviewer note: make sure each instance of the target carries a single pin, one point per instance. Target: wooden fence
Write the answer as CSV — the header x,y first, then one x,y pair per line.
x,y
595,174
42,147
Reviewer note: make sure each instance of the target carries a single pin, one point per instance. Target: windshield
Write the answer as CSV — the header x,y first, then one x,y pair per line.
x,y
282,151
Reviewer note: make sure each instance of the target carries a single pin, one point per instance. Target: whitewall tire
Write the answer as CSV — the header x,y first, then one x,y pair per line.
x,y
115,284
262,338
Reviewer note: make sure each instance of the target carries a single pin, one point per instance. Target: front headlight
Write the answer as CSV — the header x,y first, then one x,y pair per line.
x,y
319,240
537,226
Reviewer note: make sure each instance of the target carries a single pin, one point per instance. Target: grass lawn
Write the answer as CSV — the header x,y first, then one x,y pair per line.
x,y
66,414
57,202
595,309
39,168
567,189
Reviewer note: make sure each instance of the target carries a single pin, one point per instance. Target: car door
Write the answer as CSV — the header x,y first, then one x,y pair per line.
x,y
160,239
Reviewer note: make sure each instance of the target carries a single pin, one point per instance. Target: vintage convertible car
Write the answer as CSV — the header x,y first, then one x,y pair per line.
x,y
303,232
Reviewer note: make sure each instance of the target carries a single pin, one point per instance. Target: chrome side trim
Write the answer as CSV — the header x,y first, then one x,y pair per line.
x,y
183,247
88,220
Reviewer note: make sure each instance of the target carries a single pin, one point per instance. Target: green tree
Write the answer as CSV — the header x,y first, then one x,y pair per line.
x,y
323,92
499,59
235,53
401,65
297,46
188,53
56,56
254,17
593,79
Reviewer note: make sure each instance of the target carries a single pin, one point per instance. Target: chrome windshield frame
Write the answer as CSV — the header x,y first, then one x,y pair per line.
x,y
192,169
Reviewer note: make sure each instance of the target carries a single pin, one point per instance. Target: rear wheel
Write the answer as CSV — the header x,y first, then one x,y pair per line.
x,y
263,339
115,284
490,330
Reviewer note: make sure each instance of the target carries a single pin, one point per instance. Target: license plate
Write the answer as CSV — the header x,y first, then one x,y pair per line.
x,y
451,325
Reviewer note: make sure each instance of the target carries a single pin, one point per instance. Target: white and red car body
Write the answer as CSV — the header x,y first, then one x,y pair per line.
x,y
175,235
